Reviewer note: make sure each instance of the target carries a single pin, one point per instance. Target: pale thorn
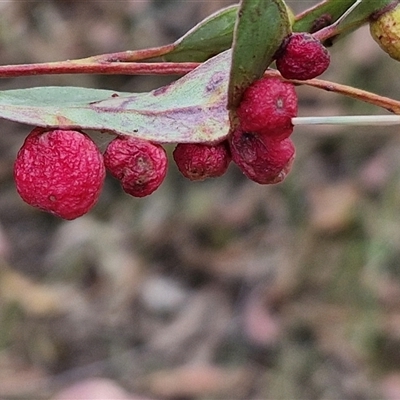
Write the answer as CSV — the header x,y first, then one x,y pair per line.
x,y
356,120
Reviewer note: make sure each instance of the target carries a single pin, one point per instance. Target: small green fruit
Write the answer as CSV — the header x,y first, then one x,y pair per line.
x,y
385,29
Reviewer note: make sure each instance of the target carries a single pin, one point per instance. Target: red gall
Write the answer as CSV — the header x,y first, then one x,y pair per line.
x,y
200,161
139,165
268,106
260,158
59,171
302,57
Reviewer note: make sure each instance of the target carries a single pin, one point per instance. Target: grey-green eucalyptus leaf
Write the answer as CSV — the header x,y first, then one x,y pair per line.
x,y
191,109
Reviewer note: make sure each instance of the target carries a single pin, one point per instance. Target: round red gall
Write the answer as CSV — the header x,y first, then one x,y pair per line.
x,y
139,165
302,57
200,161
260,158
59,171
268,106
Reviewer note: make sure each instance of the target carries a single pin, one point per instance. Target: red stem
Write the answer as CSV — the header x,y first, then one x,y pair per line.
x,y
84,67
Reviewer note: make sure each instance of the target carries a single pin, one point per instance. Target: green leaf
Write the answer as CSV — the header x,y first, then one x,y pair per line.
x,y
191,109
210,37
260,28
215,33
360,15
329,11
321,15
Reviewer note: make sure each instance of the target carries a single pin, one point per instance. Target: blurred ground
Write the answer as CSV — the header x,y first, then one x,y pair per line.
x,y
217,290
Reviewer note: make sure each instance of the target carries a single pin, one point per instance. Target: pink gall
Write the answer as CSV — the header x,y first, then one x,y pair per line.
x,y
260,158
200,161
268,106
139,165
59,171
302,57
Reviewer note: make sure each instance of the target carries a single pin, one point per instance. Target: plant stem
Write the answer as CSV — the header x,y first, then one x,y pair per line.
x,y
87,67
358,94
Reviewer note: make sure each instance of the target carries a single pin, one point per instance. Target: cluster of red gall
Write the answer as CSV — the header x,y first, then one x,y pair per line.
x,y
63,171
